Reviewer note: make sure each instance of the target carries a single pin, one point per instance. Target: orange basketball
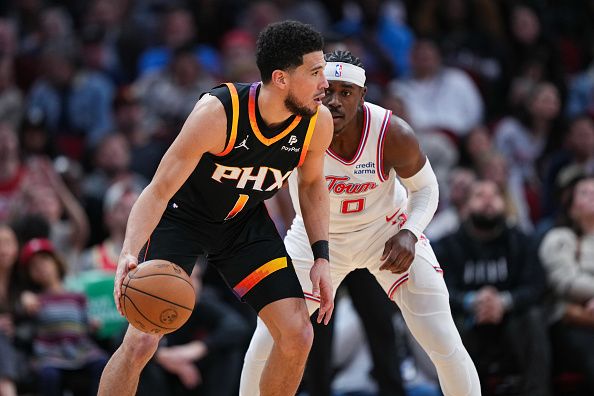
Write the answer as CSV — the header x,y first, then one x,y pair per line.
x,y
157,297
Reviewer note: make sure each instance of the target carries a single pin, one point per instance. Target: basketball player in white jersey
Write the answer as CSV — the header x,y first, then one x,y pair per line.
x,y
374,225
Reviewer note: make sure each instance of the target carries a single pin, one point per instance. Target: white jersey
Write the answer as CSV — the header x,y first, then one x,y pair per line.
x,y
360,193
366,210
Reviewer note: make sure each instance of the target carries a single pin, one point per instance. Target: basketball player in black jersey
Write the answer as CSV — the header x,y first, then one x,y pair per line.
x,y
237,147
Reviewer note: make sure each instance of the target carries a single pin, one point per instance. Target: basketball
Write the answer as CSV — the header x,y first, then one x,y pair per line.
x,y
157,297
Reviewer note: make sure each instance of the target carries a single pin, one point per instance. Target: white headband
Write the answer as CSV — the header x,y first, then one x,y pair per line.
x,y
341,71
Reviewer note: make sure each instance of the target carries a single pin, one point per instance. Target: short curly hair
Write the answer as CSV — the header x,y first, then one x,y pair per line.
x,y
281,46
344,57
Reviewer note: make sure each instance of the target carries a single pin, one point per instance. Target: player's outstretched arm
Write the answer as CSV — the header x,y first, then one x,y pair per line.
x,y
315,209
403,153
203,131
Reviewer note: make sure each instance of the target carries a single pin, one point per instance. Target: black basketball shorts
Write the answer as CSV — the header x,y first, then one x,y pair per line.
x,y
249,254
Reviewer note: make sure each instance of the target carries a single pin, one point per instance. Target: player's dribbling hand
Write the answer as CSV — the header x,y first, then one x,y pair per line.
x,y
126,262
322,289
399,252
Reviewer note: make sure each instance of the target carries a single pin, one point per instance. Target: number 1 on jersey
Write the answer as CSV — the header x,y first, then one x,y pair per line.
x,y
239,205
352,205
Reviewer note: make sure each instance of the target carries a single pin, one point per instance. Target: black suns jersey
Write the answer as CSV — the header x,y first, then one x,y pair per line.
x,y
253,166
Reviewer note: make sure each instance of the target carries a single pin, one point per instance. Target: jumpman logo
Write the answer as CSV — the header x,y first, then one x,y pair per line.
x,y
243,143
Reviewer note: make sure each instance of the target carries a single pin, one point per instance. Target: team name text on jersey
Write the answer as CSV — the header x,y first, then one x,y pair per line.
x,y
243,175
338,185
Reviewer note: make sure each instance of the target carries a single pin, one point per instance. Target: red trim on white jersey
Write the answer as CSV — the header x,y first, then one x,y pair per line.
x,y
380,147
366,122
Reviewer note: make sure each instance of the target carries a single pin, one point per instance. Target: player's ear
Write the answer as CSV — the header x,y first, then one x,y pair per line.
x,y
363,92
279,78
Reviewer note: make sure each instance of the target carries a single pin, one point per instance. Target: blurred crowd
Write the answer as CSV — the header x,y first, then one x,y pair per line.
x,y
499,92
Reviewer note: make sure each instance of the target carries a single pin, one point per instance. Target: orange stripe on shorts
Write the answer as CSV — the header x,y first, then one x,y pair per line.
x,y
255,277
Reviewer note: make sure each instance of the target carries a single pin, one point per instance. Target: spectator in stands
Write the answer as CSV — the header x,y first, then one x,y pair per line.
x,y
448,219
26,68
8,39
580,98
391,100
580,142
124,35
76,103
381,29
12,170
55,27
142,131
178,31
30,226
111,161
567,254
238,50
476,147
533,57
9,369
62,346
46,194
213,19
495,284
258,14
118,202
494,167
111,164
575,158
172,93
11,99
98,55
34,137
524,139
439,97
205,355
108,16
470,33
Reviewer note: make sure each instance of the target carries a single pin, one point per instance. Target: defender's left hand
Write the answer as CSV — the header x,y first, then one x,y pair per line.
x,y
399,252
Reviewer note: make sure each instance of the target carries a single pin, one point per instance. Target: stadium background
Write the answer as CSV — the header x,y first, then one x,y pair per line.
x,y
93,91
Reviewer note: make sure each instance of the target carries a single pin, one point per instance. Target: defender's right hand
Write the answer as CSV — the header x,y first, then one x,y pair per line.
x,y
126,263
